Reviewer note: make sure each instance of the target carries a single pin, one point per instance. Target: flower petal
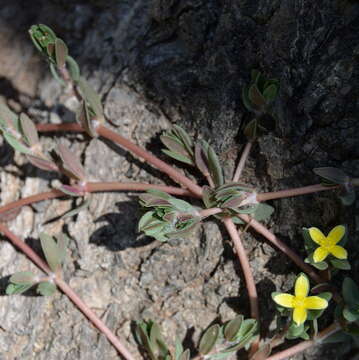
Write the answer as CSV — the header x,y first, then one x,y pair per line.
x,y
285,300
320,254
315,303
301,286
316,235
336,234
299,315
339,252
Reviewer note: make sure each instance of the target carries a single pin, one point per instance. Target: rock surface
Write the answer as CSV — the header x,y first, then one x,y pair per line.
x,y
157,62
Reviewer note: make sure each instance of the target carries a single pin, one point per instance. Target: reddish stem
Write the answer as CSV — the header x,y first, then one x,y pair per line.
x,y
261,229
127,144
209,212
94,187
68,292
304,345
242,161
247,272
294,192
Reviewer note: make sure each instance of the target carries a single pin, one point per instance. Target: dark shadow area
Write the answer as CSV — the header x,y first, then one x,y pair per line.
x,y
120,233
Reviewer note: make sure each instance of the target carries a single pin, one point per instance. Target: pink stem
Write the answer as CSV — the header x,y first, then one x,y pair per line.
x,y
304,345
242,161
247,272
209,212
94,187
127,144
68,291
294,192
261,229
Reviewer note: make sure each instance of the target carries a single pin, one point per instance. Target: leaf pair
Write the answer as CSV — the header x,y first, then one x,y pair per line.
x,y
260,93
334,176
182,148
170,218
233,336
55,252
148,335
55,51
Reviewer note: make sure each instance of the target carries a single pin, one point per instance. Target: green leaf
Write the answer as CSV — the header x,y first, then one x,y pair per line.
x,y
51,251
29,130
232,327
248,327
13,289
350,315
91,96
177,156
62,243
186,139
41,163
71,163
215,167
61,52
270,93
251,130
16,144
209,339
178,349
255,96
174,145
142,330
245,98
295,331
219,356
73,68
8,119
341,264
157,341
83,117
46,288
350,292
263,212
56,75
185,355
333,175
321,265
309,244
23,277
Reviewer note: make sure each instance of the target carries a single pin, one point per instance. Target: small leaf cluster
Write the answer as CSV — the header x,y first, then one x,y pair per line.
x,y
260,93
169,218
55,252
200,154
350,291
217,342
330,261
333,176
66,70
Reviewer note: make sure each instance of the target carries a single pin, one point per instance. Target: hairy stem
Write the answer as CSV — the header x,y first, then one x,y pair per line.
x,y
138,151
242,161
94,187
294,192
68,292
304,345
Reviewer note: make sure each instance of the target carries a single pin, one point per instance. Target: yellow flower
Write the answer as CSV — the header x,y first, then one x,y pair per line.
x,y
328,244
300,302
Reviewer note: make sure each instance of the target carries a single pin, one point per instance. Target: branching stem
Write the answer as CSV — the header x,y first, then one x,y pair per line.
x,y
94,187
68,292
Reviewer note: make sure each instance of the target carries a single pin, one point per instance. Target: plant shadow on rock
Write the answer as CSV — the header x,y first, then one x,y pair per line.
x,y
120,233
